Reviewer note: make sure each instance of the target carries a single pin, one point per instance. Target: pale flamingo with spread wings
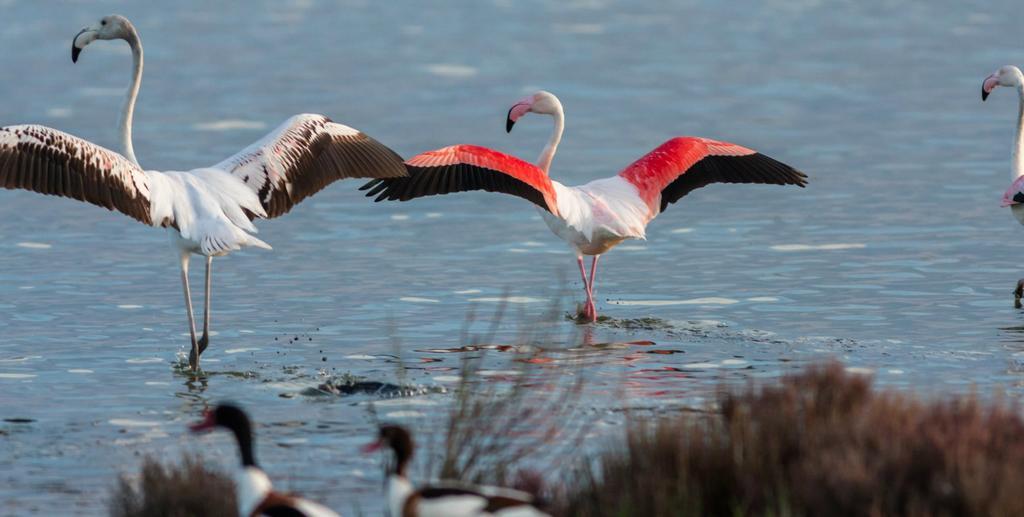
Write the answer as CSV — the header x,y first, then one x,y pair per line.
x,y
595,217
207,211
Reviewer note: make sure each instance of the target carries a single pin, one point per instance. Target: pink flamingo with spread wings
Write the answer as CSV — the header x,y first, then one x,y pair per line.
x,y
595,217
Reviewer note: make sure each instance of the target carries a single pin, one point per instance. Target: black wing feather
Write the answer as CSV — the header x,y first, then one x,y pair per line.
x,y
751,168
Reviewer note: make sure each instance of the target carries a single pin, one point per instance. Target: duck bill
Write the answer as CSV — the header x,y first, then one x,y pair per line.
x,y
206,424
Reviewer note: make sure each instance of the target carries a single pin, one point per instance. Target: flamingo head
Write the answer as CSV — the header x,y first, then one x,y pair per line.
x,y
1008,75
541,102
110,27
1015,194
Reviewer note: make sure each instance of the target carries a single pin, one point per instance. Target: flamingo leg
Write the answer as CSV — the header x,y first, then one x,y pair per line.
x,y
593,274
205,340
588,308
193,358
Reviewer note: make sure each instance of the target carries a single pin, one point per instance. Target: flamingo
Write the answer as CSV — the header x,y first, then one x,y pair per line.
x,y
1011,77
595,217
255,493
443,500
207,211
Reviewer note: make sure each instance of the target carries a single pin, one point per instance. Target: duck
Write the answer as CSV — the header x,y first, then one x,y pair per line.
x,y
445,499
255,493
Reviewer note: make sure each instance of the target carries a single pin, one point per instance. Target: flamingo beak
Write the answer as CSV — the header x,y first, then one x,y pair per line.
x,y
517,110
84,37
373,447
991,83
208,422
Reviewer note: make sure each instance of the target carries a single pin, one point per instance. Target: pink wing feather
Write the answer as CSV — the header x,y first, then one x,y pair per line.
x,y
683,164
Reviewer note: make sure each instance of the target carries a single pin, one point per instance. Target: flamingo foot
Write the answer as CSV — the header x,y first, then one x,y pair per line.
x,y
193,359
203,343
1018,293
197,350
586,313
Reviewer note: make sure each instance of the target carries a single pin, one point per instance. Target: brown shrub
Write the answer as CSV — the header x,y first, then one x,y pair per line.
x,y
188,489
819,443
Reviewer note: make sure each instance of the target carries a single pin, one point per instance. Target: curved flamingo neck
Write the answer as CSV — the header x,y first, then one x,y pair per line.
x,y
548,154
1018,142
128,110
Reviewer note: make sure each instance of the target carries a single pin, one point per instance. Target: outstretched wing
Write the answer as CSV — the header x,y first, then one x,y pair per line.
x,y
51,162
460,168
304,155
683,164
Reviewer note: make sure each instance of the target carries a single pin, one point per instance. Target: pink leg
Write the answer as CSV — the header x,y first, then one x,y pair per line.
x,y
587,312
593,273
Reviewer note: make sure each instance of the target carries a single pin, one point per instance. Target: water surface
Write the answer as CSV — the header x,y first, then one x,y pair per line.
x,y
896,260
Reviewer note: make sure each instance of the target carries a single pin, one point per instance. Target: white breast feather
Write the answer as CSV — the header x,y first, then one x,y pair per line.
x,y
399,490
610,206
207,206
251,486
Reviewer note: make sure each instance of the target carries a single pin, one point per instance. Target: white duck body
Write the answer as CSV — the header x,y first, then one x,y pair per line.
x,y
400,490
455,505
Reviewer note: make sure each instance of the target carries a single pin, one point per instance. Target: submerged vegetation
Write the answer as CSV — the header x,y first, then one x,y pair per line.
x,y
819,443
187,489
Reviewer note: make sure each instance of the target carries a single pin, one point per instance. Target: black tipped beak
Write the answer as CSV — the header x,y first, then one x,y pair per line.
x,y
75,51
984,94
508,121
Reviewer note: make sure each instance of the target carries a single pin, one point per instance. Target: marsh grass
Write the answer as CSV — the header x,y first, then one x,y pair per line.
x,y
186,489
822,442
507,432
514,418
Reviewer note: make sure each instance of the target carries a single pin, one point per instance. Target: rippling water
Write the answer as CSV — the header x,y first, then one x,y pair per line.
x,y
896,259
